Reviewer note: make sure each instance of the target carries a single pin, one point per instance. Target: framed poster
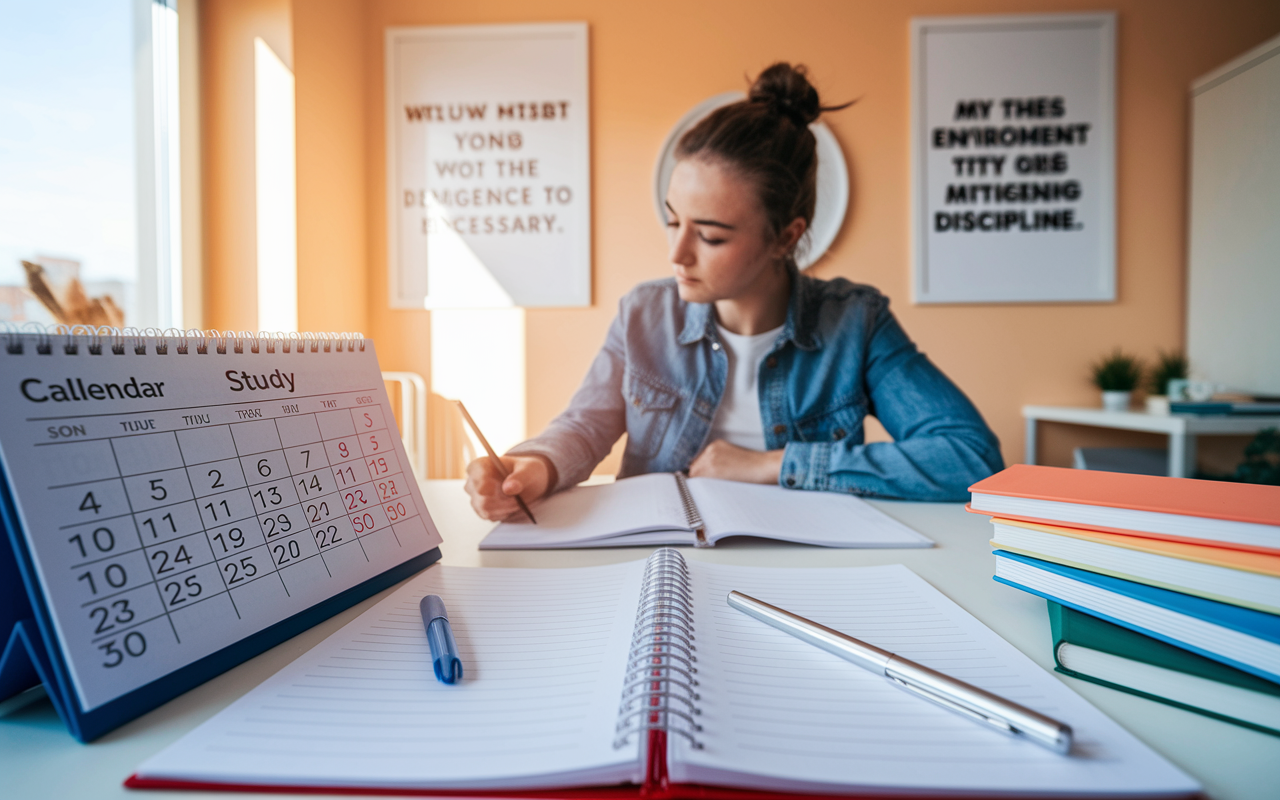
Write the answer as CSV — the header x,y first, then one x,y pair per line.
x,y
1013,158
488,166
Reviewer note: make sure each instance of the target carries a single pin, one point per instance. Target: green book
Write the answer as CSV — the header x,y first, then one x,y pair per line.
x,y
1095,650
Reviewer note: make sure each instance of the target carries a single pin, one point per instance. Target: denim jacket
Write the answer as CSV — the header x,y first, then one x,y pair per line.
x,y
840,356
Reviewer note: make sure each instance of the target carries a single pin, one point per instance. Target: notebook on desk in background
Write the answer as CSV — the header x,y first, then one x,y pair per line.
x,y
585,678
669,508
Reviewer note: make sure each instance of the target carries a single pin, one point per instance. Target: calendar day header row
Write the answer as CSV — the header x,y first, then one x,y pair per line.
x,y
54,430
88,455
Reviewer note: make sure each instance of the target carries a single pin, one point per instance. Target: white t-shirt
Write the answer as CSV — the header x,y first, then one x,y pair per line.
x,y
738,419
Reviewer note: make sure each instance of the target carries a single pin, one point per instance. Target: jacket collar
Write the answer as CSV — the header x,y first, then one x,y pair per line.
x,y
699,322
800,327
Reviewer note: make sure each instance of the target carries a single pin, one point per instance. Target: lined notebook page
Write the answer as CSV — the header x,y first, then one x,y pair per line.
x,y
829,519
544,653
590,514
782,714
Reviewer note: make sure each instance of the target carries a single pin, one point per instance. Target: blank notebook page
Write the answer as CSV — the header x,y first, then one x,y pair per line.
x,y
586,513
544,653
779,713
822,518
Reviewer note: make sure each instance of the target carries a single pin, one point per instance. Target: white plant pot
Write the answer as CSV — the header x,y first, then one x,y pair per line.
x,y
1116,401
1158,404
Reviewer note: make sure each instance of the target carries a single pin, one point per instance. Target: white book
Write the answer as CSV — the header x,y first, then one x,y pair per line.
x,y
571,674
669,508
1225,584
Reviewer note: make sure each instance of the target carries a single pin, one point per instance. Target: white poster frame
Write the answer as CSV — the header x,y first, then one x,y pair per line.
x,y
978,277
564,282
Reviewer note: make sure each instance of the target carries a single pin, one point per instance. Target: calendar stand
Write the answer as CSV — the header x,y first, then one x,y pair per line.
x,y
17,671
20,668
174,506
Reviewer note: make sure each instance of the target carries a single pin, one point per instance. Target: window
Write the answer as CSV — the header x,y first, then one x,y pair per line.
x,y
89,156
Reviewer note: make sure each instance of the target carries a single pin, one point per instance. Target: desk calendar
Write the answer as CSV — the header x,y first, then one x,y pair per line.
x,y
177,504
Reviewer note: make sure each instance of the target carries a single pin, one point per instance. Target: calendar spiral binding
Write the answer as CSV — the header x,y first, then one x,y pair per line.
x,y
70,338
691,513
659,692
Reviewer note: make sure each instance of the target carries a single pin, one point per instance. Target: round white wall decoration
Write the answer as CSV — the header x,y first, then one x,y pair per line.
x,y
833,177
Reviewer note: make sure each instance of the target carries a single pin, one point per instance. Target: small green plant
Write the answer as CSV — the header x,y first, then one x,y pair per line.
x,y
1261,459
1118,372
1169,366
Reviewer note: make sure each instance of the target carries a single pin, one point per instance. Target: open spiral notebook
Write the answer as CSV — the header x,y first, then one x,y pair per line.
x,y
638,678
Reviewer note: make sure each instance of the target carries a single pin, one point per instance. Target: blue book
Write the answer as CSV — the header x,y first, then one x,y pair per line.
x,y
1241,637
1221,407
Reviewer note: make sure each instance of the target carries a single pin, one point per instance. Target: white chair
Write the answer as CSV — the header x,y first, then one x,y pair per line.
x,y
413,412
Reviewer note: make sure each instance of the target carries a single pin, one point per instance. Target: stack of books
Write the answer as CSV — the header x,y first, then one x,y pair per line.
x,y
1167,588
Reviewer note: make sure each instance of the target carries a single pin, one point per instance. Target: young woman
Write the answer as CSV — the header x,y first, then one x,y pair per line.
x,y
742,368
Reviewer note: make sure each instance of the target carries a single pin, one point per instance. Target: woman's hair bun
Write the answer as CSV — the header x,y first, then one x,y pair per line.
x,y
786,91
767,138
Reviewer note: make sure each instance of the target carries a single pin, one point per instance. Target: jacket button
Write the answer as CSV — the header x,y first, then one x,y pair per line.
x,y
838,434
779,428
791,481
771,362
715,345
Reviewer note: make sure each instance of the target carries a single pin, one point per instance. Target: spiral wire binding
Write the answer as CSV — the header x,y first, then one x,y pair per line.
x,y
659,692
691,513
119,341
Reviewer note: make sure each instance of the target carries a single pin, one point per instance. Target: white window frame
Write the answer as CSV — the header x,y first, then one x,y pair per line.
x,y
160,280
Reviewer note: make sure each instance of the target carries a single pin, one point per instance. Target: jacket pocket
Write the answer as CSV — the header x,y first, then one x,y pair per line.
x,y
650,409
844,421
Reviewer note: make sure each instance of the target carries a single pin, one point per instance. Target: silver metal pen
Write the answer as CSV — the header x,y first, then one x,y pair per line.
x,y
968,701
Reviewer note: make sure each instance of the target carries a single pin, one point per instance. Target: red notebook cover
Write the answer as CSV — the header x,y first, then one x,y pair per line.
x,y
1237,502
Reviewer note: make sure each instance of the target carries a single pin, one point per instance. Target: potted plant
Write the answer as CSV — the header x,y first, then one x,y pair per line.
x,y
1170,366
1117,375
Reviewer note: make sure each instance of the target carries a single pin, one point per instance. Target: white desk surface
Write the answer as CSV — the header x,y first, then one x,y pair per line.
x,y
39,759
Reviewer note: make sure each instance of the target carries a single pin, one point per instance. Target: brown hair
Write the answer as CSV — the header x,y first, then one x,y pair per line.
x,y
767,139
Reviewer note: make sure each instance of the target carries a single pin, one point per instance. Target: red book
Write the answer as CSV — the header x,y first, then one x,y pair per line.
x,y
1241,516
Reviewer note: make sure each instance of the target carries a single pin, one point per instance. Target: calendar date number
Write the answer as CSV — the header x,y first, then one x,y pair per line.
x,y
107,618
239,572
102,540
132,645
113,576
178,592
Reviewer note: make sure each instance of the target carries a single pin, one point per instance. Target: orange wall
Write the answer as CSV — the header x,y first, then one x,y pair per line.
x,y
328,63
227,31
650,62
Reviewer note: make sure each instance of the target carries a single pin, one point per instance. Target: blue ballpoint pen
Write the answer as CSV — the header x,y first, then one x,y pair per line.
x,y
444,651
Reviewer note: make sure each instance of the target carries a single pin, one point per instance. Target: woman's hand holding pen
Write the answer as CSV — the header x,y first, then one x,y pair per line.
x,y
730,462
493,497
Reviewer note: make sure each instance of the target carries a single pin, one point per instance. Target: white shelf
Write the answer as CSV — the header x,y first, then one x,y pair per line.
x,y
1180,428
